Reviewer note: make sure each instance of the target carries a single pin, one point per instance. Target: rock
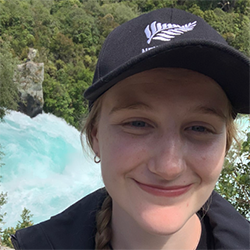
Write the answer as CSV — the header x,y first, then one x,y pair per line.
x,y
29,78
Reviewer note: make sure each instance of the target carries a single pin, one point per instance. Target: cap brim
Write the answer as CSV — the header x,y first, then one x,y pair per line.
x,y
228,67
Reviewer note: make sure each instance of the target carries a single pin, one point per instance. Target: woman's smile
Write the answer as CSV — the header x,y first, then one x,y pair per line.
x,y
170,191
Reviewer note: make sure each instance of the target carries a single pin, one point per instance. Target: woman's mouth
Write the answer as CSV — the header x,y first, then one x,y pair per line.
x,y
172,191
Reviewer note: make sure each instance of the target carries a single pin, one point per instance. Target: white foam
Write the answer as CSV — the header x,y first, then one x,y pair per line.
x,y
45,168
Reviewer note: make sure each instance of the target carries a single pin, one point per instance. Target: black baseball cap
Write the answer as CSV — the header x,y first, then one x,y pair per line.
x,y
171,38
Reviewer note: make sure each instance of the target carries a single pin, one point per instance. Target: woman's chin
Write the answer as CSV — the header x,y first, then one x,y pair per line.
x,y
163,224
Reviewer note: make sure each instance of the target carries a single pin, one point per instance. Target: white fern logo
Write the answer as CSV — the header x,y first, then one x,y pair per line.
x,y
166,31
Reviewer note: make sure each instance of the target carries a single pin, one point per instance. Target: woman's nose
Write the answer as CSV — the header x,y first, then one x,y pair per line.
x,y
168,158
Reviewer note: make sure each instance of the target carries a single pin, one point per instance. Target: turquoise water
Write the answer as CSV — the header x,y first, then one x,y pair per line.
x,y
45,168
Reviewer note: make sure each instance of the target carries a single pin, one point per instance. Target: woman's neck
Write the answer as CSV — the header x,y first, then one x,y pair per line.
x,y
127,234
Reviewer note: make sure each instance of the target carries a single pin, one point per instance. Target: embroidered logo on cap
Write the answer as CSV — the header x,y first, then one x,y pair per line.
x,y
166,31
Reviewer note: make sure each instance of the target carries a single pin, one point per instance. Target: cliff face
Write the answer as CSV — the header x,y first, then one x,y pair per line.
x,y
29,78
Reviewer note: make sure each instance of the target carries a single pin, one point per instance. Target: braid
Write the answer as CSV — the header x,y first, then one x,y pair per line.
x,y
103,224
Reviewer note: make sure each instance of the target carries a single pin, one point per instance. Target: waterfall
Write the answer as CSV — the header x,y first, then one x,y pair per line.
x,y
45,168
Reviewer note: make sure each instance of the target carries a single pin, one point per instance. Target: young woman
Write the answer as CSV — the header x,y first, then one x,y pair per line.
x,y
166,90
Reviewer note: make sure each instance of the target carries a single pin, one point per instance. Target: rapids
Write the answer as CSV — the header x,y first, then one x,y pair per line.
x,y
45,168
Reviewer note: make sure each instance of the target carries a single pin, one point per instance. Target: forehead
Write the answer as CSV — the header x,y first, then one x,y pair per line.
x,y
165,85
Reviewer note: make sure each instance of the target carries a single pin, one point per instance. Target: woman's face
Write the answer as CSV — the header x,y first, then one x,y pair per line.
x,y
161,137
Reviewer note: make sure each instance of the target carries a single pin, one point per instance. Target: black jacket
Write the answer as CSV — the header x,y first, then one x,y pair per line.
x,y
75,227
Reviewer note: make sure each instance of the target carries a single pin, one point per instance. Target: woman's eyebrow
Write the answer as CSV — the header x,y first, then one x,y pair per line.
x,y
137,105
210,110
143,106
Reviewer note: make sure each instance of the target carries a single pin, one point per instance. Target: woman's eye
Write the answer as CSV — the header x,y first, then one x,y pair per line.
x,y
140,124
137,127
199,129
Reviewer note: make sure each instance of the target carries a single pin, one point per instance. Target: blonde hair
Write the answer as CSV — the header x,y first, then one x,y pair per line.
x,y
91,121
103,225
103,217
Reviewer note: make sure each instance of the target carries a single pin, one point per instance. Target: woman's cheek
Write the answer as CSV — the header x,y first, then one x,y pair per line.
x,y
208,160
122,152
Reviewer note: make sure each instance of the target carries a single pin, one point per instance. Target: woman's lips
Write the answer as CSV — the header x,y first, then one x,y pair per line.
x,y
172,191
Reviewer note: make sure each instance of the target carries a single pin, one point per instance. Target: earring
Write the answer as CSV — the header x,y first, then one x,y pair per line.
x,y
96,160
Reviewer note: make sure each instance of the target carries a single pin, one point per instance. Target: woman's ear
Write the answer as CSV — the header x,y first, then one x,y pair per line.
x,y
95,140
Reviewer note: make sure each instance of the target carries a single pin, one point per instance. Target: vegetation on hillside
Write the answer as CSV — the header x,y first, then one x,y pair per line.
x,y
8,89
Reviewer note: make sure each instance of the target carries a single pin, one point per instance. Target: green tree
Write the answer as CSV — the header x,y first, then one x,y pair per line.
x,y
26,221
234,182
3,197
58,101
8,89
120,12
62,47
3,200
